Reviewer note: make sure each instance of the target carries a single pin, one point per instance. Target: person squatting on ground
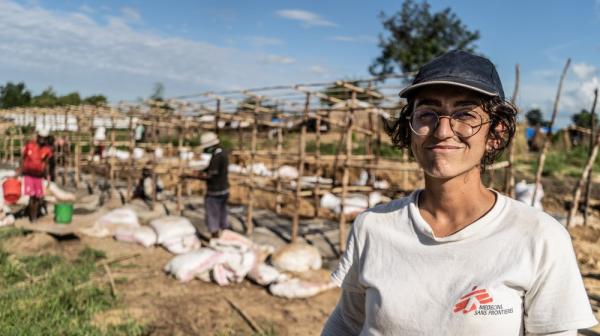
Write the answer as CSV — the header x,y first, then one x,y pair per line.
x,y
217,184
34,168
456,258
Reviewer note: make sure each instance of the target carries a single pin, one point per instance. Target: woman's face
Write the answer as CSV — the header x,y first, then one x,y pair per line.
x,y
442,153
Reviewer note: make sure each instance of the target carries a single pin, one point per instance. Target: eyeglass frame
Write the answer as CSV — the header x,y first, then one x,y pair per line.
x,y
437,124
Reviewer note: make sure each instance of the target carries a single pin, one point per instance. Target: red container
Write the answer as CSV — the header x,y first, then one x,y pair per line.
x,y
12,190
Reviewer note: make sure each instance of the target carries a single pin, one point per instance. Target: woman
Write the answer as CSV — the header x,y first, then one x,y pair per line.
x,y
457,258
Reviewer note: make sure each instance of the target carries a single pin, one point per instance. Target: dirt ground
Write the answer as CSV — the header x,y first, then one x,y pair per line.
x,y
169,307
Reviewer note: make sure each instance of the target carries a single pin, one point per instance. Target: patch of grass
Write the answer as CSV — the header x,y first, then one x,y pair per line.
x,y
565,163
48,295
9,232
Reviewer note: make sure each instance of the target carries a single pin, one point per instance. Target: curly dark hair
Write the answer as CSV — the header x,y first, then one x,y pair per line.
x,y
502,126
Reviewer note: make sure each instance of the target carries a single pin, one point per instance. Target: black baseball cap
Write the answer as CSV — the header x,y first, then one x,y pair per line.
x,y
460,68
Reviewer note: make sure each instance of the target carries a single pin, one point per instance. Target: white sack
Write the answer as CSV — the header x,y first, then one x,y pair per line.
x,y
297,257
169,228
185,266
297,289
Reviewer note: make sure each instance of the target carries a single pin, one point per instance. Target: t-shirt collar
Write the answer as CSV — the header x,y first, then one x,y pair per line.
x,y
423,228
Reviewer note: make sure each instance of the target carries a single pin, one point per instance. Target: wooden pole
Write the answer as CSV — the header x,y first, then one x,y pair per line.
x,y
278,165
509,181
77,163
319,173
547,138
217,115
346,174
302,154
249,223
588,189
584,175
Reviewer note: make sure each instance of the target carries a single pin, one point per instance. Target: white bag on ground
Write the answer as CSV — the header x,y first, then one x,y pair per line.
x,y
298,289
264,274
185,266
61,195
183,244
143,235
297,257
233,267
524,193
108,224
170,228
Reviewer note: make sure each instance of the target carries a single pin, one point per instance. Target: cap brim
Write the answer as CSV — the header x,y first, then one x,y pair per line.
x,y
405,92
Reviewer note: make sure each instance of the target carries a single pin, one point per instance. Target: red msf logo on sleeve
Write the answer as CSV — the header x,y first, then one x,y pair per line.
x,y
472,300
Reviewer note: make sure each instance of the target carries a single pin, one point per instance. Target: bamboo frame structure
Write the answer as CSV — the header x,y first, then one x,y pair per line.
x,y
355,119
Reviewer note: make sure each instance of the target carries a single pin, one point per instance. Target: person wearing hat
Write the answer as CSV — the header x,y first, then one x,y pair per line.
x,y
217,184
34,168
457,258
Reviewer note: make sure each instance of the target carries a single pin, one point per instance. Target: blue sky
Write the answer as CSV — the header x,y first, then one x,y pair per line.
x,y
121,48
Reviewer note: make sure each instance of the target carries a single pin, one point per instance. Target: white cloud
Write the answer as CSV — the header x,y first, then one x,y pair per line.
x,y
583,71
73,51
278,59
131,14
262,41
308,19
354,39
86,9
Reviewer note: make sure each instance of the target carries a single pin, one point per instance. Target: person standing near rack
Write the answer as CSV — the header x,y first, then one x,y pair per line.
x,y
217,184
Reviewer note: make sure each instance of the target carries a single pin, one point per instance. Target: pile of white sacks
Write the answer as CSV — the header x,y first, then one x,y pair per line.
x,y
233,257
225,260
176,234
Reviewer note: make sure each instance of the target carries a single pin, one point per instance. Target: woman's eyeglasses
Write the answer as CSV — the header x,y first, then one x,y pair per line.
x,y
463,123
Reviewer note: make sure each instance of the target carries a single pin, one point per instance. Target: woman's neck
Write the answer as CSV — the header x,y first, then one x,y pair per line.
x,y
449,205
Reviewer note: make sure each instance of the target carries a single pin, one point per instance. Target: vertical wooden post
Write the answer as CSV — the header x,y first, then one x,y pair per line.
x,y
217,115
249,223
302,154
548,137
279,149
584,175
346,174
131,169
319,173
179,188
588,189
77,163
113,160
509,182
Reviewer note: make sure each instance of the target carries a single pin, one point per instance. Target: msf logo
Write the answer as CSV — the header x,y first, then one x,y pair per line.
x,y
472,300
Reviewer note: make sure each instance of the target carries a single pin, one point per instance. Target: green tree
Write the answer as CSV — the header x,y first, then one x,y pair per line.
x,y
72,98
584,119
13,95
158,92
536,118
46,99
415,36
96,100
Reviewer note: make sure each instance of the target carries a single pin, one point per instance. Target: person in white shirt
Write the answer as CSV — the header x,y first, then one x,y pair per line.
x,y
457,258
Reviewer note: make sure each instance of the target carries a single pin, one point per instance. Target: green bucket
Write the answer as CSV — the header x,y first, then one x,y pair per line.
x,y
63,213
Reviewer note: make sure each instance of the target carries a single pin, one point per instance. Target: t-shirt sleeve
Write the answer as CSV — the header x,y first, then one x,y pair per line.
x,y
556,300
347,273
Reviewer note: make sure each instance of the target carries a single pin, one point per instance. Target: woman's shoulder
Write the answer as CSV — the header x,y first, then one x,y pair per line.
x,y
382,214
533,222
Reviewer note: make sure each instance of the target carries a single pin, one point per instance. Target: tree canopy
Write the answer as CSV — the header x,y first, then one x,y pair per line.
x,y
536,118
17,95
415,35
584,119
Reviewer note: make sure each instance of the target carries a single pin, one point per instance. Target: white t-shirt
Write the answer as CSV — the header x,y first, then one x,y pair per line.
x,y
511,272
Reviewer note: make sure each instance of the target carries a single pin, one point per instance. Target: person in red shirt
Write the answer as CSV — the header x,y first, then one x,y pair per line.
x,y
34,168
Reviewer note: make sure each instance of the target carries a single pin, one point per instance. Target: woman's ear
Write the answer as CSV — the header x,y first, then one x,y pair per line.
x,y
496,136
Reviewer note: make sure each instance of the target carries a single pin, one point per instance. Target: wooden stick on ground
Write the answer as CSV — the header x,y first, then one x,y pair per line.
x,y
113,288
245,316
547,138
